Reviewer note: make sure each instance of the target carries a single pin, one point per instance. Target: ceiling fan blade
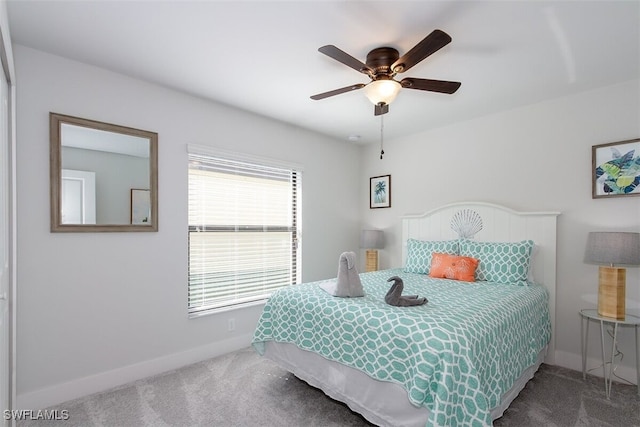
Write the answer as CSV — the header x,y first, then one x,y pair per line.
x,y
380,109
441,86
430,44
348,60
337,91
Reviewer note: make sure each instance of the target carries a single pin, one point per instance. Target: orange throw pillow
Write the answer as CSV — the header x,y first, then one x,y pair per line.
x,y
444,266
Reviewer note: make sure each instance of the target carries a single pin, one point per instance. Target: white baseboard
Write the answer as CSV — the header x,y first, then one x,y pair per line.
x,y
594,366
54,395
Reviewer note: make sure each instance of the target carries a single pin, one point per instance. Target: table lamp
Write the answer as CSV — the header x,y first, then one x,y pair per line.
x,y
371,240
611,250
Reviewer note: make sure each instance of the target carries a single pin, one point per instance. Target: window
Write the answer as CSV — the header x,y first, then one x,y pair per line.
x,y
243,231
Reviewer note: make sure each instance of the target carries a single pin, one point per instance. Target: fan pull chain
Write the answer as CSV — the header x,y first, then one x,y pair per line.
x,y
381,136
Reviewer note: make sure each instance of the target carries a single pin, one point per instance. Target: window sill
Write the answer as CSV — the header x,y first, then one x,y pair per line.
x,y
226,308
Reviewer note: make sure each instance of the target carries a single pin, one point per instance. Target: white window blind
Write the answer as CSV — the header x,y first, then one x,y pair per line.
x,y
243,231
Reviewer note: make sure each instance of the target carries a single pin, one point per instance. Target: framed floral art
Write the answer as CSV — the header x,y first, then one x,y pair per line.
x,y
616,169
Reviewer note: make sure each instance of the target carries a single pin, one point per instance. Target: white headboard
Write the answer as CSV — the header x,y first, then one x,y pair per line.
x,y
499,224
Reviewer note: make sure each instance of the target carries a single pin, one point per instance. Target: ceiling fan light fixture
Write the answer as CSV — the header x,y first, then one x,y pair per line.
x,y
382,91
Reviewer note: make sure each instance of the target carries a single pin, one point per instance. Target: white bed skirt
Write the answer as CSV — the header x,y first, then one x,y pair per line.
x,y
382,403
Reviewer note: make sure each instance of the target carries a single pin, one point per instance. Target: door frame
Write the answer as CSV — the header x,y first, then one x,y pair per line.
x,y
7,63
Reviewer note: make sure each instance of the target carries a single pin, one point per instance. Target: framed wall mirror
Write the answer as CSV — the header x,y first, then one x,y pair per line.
x,y
104,177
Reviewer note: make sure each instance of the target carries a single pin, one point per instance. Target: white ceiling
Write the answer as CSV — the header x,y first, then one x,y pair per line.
x,y
262,56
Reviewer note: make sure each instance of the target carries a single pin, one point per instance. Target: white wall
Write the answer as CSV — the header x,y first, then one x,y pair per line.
x,y
536,158
99,309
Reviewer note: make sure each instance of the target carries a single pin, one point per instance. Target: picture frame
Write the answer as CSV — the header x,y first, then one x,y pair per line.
x,y
140,206
615,169
380,192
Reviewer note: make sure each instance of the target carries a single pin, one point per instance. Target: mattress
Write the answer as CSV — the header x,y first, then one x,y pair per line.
x,y
458,356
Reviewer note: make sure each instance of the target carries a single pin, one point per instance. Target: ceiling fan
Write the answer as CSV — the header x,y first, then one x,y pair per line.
x,y
383,64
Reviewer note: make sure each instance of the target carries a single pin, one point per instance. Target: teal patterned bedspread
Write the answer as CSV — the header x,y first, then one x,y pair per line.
x,y
456,355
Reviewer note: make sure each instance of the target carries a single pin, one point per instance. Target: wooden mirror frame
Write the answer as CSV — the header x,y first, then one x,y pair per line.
x,y
55,126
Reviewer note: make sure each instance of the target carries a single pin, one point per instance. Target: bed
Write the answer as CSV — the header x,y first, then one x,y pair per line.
x,y
461,358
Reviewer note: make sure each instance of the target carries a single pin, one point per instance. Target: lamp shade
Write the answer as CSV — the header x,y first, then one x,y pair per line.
x,y
382,91
372,239
613,248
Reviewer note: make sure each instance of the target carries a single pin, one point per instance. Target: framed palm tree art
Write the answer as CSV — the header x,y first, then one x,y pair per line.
x,y
380,192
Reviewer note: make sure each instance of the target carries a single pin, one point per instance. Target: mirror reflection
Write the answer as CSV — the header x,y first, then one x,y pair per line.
x,y
103,176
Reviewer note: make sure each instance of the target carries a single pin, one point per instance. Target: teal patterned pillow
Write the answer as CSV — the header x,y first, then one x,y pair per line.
x,y
419,253
499,262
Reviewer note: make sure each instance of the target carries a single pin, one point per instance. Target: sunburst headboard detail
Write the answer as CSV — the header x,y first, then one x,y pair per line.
x,y
494,223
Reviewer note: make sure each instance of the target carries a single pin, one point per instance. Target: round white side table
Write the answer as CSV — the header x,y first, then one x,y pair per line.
x,y
588,315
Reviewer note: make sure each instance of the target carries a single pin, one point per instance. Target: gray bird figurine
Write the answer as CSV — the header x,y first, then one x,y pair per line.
x,y
395,297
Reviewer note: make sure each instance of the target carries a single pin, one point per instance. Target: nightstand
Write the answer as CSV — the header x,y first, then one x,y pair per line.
x,y
588,315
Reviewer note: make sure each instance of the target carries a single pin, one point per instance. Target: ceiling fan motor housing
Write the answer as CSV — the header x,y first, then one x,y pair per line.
x,y
380,60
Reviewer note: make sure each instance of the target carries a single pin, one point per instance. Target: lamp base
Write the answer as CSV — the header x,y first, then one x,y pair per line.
x,y
611,292
371,260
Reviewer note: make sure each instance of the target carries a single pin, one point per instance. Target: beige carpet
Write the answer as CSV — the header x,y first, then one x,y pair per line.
x,y
243,389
